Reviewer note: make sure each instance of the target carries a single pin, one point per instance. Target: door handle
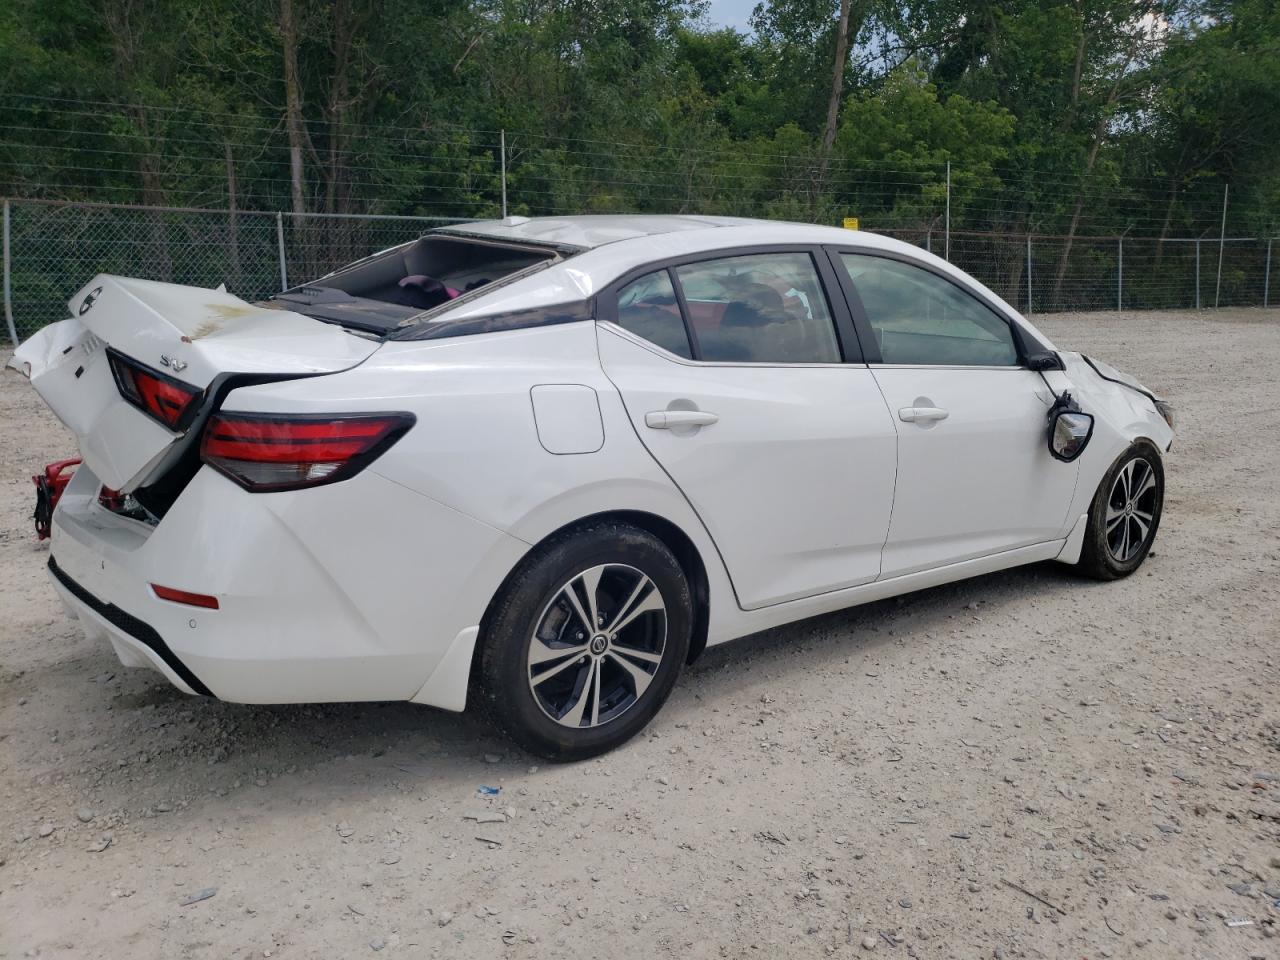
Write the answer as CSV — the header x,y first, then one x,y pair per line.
x,y
918,414
666,419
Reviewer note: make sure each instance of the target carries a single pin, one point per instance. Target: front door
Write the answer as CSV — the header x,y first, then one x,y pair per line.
x,y
975,476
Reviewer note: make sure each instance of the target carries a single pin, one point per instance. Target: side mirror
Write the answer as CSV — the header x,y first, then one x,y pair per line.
x,y
1069,433
1044,361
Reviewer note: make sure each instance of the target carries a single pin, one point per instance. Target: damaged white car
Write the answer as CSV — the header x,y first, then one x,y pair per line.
x,y
539,465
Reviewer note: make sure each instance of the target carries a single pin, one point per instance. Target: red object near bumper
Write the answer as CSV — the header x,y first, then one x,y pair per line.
x,y
49,487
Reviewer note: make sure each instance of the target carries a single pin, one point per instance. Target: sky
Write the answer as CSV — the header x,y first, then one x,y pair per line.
x,y
731,13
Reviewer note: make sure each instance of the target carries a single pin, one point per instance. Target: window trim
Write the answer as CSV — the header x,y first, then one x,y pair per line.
x,y
848,341
866,333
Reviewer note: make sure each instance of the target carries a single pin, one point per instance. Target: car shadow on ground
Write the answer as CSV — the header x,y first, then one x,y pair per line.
x,y
146,741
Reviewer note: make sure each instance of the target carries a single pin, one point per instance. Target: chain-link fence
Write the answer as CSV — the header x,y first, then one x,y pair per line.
x,y
52,248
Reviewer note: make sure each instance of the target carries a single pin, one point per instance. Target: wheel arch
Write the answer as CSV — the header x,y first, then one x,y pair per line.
x,y
668,532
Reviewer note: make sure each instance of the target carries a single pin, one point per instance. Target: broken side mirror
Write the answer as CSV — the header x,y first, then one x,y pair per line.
x,y
1069,433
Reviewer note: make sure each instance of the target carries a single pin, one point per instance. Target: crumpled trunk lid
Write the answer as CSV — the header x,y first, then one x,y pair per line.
x,y
192,334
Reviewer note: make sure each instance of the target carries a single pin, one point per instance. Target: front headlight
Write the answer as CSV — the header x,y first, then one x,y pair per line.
x,y
1165,409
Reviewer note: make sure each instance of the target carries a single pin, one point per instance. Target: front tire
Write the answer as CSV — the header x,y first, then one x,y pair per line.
x,y
1124,515
585,641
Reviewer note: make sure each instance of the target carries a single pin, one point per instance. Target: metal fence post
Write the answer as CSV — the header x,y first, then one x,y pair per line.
x,y
1120,274
284,270
1222,242
1266,278
8,300
946,243
1028,274
1197,273
928,241
502,145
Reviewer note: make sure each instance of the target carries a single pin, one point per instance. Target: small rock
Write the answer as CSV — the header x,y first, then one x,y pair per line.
x,y
164,806
904,904
1171,914
46,830
664,781
492,758
344,829
377,944
100,845
445,918
869,942
84,815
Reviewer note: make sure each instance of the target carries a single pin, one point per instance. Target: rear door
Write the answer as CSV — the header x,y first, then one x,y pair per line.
x,y
733,371
178,340
975,476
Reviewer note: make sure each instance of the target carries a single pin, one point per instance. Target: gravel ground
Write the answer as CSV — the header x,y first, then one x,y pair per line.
x,y
1021,765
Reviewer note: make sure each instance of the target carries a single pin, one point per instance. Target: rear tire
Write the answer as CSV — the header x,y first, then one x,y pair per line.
x,y
566,689
1124,515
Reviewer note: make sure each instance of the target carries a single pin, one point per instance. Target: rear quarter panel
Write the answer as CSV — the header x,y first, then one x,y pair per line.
x,y
476,448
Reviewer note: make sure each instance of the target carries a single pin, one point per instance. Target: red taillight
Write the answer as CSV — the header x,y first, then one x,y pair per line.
x,y
159,396
266,452
185,596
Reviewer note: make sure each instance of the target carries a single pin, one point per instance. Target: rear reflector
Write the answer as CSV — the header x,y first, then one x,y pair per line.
x,y
184,596
158,395
269,452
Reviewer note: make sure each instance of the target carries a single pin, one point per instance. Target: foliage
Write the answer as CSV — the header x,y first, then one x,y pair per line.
x,y
1090,117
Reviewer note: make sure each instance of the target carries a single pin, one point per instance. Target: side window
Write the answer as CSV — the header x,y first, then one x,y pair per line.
x,y
759,308
920,318
649,309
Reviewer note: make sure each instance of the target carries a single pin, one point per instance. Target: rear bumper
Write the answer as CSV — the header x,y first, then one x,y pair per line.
x,y
136,643
351,591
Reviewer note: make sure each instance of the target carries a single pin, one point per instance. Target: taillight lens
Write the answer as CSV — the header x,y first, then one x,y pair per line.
x,y
158,395
267,452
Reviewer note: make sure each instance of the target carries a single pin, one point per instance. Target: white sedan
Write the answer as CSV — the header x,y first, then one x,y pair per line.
x,y
539,465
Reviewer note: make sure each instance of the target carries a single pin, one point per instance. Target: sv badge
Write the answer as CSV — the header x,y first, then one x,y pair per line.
x,y
173,363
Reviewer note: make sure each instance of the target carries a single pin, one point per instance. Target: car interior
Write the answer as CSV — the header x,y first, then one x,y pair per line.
x,y
382,291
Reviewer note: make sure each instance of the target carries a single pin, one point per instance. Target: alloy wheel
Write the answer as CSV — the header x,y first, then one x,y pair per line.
x,y
597,645
1131,509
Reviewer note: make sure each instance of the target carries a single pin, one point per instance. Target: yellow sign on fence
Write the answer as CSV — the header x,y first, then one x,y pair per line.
x,y
851,223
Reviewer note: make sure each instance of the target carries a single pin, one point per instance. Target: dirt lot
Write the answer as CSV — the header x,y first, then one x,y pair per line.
x,y
1020,765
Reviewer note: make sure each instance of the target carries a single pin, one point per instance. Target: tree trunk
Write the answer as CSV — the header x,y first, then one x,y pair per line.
x,y
293,103
339,101
233,223
1168,219
1098,131
818,186
837,78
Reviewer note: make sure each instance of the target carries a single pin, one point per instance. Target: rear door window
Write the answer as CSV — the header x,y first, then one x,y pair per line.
x,y
759,308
